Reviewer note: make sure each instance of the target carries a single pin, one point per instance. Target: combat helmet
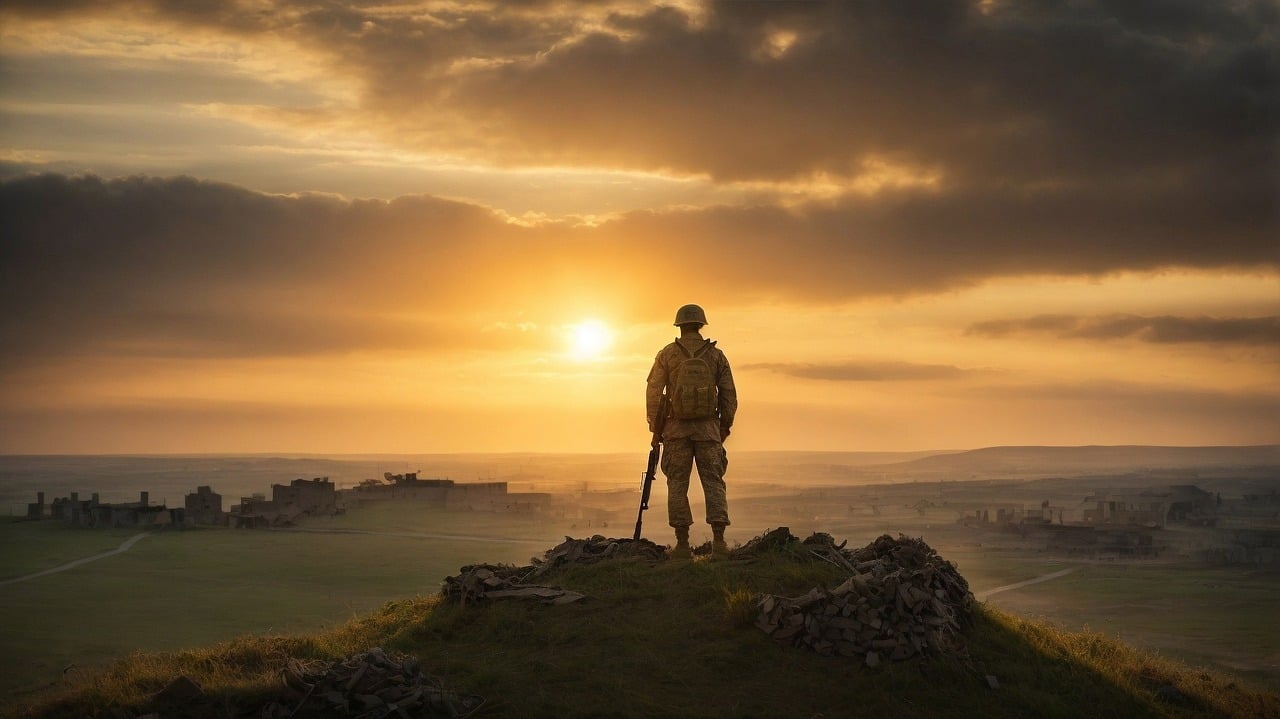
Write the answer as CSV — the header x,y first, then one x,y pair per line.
x,y
690,313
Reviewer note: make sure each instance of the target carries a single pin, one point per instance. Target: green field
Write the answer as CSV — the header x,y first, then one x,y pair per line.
x,y
192,588
180,589
1218,617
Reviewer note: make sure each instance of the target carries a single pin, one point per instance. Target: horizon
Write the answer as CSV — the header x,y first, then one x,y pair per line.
x,y
465,228
373,455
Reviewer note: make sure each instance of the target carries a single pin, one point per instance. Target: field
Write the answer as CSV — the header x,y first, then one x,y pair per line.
x,y
191,588
180,589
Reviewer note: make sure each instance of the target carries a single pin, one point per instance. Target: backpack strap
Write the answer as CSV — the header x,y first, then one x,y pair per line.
x,y
706,345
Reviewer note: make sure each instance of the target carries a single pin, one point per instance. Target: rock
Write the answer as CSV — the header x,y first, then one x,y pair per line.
x,y
873,659
992,681
373,684
900,599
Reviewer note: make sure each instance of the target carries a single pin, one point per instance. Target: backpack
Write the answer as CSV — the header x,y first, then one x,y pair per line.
x,y
694,394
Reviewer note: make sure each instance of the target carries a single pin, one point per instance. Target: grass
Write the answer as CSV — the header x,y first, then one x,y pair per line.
x,y
185,589
673,639
1221,616
35,546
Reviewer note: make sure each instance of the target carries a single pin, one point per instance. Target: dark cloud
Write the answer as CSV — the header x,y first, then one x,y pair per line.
x,y
180,267
863,371
177,266
1162,329
1070,138
1059,93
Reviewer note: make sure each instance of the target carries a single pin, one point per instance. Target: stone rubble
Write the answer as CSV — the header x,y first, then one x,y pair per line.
x,y
492,582
489,582
597,548
901,600
373,685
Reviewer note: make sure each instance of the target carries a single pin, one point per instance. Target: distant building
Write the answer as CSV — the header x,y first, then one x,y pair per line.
x,y
37,509
289,502
94,513
1155,507
477,496
204,506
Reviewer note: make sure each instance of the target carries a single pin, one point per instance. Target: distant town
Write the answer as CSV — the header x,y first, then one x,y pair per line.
x,y
1177,520
288,504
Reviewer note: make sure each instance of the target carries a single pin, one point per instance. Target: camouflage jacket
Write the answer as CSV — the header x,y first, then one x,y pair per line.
x,y
660,380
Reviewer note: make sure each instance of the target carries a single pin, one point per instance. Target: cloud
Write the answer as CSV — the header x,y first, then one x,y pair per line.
x,y
865,371
1019,91
1159,330
178,266
940,145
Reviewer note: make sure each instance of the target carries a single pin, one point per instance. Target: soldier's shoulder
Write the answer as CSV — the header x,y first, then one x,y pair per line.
x,y
669,349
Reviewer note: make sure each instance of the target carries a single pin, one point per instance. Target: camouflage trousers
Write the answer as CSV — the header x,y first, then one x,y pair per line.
x,y
678,456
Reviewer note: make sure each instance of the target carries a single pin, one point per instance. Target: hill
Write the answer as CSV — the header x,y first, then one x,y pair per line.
x,y
1096,458
676,639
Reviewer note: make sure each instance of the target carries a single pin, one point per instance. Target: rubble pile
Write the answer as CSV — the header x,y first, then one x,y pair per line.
x,y
900,600
372,685
597,548
482,582
491,582
772,540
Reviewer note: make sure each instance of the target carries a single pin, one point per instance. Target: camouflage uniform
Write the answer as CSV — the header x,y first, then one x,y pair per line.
x,y
688,441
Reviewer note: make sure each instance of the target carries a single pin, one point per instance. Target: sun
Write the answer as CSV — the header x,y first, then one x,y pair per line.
x,y
589,339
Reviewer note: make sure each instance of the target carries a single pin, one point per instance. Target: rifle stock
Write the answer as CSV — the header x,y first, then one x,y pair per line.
x,y
646,483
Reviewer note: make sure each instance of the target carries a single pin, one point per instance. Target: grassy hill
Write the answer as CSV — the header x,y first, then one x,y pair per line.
x,y
676,639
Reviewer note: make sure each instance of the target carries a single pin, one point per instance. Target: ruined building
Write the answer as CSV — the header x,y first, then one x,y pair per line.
x,y
204,506
301,497
1157,507
476,496
94,513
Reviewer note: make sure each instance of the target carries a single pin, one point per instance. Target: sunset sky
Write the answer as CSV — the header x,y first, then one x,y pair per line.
x,y
264,225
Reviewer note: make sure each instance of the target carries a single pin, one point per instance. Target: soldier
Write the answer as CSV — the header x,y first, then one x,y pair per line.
x,y
694,375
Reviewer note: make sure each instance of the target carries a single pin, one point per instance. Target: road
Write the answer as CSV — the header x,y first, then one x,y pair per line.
x,y
126,546
981,596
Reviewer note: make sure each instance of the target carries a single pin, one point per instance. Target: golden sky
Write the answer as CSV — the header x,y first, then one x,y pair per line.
x,y
265,225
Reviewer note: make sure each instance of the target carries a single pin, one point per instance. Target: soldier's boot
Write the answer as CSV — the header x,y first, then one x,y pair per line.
x,y
682,550
719,549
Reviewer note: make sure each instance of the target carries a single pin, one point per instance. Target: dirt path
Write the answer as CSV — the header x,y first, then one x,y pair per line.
x,y
981,596
126,546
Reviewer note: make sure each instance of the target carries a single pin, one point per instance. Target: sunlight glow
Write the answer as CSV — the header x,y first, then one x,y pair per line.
x,y
589,339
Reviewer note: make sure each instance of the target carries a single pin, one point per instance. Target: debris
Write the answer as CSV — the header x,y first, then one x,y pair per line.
x,y
503,581
488,582
372,685
595,549
772,540
901,600
992,681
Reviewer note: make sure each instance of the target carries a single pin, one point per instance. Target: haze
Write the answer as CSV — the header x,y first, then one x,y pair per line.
x,y
466,226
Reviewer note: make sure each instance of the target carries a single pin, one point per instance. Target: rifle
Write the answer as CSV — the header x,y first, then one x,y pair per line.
x,y
646,481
